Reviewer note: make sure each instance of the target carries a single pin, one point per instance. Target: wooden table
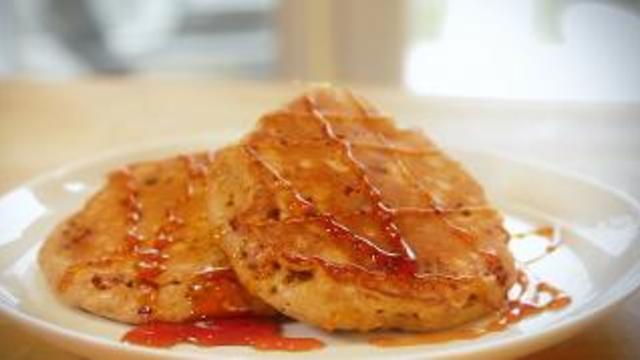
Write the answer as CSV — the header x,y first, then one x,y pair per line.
x,y
46,125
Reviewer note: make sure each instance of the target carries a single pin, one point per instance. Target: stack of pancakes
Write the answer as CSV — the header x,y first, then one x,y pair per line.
x,y
326,213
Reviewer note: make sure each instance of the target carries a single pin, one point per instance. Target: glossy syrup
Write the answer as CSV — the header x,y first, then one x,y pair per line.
x,y
550,233
259,333
147,259
405,261
535,296
152,256
527,297
217,292
400,262
213,292
150,252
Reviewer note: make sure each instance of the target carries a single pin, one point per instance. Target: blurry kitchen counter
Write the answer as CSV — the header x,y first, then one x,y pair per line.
x,y
44,125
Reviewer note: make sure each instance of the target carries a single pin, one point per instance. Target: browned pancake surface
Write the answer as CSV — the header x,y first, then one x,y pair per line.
x,y
142,249
334,216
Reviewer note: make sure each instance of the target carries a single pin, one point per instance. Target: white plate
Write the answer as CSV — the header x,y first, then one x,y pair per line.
x,y
598,266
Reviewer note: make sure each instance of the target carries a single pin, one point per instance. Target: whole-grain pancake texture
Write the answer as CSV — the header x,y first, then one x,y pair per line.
x,y
142,249
332,215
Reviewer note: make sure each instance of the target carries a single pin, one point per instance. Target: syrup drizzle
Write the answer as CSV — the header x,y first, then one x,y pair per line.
x,y
217,292
552,234
331,225
435,208
359,144
527,297
132,206
196,172
151,258
532,297
259,333
150,253
212,291
381,212
147,259
402,261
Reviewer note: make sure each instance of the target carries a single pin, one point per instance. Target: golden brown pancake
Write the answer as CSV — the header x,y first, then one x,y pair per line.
x,y
142,249
337,218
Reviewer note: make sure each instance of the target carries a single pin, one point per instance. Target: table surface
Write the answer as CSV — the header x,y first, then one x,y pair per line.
x,y
44,125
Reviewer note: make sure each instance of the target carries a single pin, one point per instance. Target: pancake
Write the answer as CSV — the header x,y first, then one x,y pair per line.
x,y
335,217
142,249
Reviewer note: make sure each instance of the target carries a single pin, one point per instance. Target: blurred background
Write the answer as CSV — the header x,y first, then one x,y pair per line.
x,y
552,81
582,50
